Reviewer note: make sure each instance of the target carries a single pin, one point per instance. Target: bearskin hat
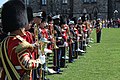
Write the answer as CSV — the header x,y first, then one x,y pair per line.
x,y
44,14
49,18
14,15
74,19
62,20
29,14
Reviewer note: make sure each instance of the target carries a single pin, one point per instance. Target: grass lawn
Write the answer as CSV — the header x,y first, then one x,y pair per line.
x,y
101,62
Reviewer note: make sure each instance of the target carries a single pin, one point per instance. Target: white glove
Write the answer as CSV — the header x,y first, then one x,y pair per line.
x,y
39,52
65,44
78,38
85,35
42,58
51,36
47,51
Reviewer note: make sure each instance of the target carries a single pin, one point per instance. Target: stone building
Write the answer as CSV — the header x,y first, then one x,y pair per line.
x,y
52,7
93,8
105,9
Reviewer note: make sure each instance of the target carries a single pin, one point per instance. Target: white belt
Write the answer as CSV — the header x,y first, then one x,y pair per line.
x,y
18,67
59,37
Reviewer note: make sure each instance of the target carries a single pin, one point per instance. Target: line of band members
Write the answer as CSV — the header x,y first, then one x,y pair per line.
x,y
65,41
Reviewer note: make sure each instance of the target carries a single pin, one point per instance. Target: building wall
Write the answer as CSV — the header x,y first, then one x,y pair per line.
x,y
101,9
117,7
35,4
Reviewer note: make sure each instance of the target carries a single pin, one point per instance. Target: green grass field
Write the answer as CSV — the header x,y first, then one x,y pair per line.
x,y
101,62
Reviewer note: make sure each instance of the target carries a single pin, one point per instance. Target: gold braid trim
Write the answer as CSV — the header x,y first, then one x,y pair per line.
x,y
21,63
22,55
4,65
12,67
30,61
10,64
23,46
12,52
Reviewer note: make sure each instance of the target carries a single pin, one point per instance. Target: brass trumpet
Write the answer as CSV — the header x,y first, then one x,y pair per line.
x,y
54,39
55,46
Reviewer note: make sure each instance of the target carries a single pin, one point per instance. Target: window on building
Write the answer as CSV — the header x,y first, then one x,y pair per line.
x,y
89,1
117,0
26,2
93,0
44,2
64,1
86,1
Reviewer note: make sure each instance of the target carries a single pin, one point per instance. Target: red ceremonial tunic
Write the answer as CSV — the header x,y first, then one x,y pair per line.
x,y
23,58
44,33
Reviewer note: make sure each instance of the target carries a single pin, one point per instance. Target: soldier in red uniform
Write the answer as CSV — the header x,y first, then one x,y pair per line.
x,y
50,32
64,56
43,30
71,41
80,35
16,48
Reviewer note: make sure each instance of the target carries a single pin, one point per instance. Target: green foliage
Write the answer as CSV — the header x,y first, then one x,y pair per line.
x,y
101,62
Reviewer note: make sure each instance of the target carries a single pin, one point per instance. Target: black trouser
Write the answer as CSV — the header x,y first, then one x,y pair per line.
x,y
59,52
63,57
98,36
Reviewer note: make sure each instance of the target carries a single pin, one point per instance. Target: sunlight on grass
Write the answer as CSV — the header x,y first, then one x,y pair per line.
x,y
101,62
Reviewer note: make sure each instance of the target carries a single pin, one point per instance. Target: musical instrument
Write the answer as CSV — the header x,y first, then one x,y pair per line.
x,y
40,49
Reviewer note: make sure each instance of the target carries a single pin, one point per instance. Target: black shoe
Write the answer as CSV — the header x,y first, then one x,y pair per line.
x,y
60,70
64,66
98,42
71,61
46,79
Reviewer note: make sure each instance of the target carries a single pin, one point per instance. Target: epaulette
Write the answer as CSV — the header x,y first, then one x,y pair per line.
x,y
23,45
20,38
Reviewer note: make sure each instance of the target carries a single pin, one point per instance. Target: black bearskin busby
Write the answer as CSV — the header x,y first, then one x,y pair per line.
x,y
74,19
44,14
14,15
62,20
29,14
49,18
